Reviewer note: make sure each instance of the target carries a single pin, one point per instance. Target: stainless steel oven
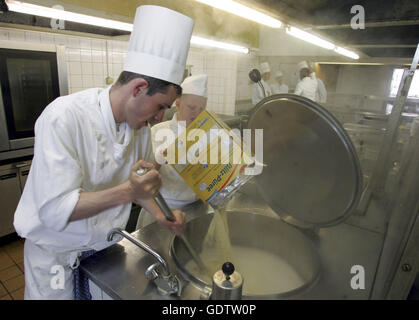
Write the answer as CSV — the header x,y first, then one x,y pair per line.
x,y
31,76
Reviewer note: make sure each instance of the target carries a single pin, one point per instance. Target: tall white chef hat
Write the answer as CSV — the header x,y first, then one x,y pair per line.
x,y
302,64
264,66
159,43
278,74
196,85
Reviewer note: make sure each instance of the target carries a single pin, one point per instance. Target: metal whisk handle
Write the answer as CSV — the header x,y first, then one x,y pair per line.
x,y
164,207
160,200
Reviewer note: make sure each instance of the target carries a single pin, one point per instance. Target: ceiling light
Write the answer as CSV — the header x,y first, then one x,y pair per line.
x,y
346,53
243,11
28,8
216,44
303,35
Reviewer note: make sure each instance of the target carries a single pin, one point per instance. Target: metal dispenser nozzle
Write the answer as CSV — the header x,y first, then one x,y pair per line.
x,y
227,284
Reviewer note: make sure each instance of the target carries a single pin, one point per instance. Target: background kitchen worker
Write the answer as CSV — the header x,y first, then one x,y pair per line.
x,y
175,190
307,86
258,93
87,148
279,86
321,93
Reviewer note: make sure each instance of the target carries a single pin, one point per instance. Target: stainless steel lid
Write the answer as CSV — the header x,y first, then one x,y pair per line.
x,y
313,176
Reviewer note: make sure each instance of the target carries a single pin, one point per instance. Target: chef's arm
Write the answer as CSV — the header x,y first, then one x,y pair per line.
x,y
137,187
92,203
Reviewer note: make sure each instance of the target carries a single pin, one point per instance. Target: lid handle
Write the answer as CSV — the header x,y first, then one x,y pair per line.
x,y
228,269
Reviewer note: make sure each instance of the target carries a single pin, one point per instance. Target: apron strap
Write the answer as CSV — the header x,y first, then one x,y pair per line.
x,y
81,280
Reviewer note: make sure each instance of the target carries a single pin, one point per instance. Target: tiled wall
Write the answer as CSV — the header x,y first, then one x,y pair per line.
x,y
91,60
221,68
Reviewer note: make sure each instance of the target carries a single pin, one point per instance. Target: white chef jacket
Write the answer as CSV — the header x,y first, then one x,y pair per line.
x,y
321,94
77,148
307,87
278,89
258,92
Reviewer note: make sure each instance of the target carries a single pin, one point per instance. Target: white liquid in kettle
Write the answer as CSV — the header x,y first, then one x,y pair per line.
x,y
263,272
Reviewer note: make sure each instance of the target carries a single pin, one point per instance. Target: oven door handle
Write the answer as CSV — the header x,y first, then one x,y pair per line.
x,y
8,176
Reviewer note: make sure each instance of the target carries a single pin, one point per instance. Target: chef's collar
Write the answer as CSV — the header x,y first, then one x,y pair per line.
x,y
120,140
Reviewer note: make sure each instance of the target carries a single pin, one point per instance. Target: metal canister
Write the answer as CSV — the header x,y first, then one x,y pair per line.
x,y
227,284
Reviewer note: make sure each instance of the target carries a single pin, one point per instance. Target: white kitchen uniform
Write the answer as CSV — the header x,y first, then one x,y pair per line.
x,y
278,89
307,87
321,94
77,148
174,190
258,92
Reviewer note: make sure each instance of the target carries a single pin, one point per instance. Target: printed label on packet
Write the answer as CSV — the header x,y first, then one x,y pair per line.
x,y
213,162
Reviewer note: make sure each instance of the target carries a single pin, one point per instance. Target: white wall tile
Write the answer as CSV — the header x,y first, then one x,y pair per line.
x,y
87,68
47,38
16,35
73,42
73,54
32,36
76,89
86,55
88,81
4,35
116,69
98,69
85,43
60,40
98,44
99,81
76,81
98,56
74,67
118,57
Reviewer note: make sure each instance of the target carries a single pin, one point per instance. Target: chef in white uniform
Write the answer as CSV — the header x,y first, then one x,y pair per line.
x,y
258,92
307,86
321,94
88,147
193,101
279,86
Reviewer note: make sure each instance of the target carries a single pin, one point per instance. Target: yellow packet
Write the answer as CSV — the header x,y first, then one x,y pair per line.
x,y
210,158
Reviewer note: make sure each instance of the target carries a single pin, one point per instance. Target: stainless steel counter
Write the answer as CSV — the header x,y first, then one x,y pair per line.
x,y
119,269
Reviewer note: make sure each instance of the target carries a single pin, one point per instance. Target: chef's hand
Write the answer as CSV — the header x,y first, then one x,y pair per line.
x,y
144,186
177,226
